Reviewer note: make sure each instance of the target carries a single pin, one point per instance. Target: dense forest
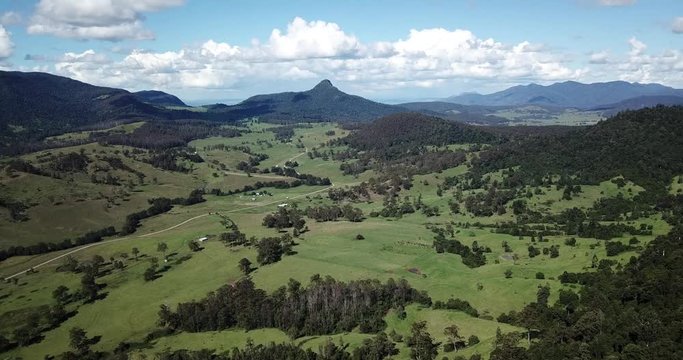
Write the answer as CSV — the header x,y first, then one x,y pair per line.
x,y
643,146
326,306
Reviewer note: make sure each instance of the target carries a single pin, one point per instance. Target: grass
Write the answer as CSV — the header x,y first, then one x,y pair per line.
x,y
82,135
536,115
392,248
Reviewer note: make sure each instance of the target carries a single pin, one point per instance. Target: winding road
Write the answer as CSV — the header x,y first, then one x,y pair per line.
x,y
75,250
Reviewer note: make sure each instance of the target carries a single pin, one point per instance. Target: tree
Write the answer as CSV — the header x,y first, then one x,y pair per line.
x,y
88,286
505,347
194,246
56,315
245,266
542,295
151,273
78,340
377,348
61,294
453,334
135,252
4,343
269,250
162,248
421,343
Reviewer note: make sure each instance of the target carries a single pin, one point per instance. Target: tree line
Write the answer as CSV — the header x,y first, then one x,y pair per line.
x,y
326,306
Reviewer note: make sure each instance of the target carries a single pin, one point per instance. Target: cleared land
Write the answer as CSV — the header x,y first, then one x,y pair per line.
x,y
392,248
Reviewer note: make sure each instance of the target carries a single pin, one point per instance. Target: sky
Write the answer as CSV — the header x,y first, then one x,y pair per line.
x,y
387,50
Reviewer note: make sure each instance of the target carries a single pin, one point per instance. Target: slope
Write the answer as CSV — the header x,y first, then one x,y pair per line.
x,y
645,146
159,98
324,102
567,94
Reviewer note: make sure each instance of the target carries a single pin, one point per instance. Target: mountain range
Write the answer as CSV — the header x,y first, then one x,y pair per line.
x,y
568,94
324,102
36,105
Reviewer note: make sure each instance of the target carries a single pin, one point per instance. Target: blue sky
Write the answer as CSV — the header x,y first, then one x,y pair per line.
x,y
385,50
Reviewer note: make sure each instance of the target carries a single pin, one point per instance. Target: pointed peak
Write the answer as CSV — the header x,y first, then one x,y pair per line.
x,y
325,84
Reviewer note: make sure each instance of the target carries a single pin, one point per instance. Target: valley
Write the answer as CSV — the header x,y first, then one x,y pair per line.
x,y
517,236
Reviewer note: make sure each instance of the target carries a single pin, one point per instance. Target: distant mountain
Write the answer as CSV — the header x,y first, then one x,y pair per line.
x,y
159,98
639,103
35,105
470,114
567,94
324,102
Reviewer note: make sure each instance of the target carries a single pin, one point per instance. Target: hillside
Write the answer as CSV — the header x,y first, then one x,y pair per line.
x,y
470,114
645,146
36,105
411,130
159,98
324,102
567,94
639,103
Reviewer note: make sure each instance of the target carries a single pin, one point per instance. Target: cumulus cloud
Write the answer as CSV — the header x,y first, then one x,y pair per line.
x,y
677,25
111,20
6,44
10,18
640,66
599,58
424,58
319,49
616,2
311,39
637,47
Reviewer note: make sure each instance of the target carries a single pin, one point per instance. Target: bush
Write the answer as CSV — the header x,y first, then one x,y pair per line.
x,y
360,237
473,340
540,276
508,273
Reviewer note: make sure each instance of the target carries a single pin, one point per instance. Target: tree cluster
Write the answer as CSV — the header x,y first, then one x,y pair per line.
x,y
326,306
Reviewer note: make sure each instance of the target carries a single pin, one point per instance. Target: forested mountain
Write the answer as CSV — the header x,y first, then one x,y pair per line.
x,y
471,114
567,94
639,103
324,102
645,146
158,98
412,130
36,105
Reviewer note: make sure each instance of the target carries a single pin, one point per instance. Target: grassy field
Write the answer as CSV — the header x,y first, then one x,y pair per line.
x,y
536,115
392,248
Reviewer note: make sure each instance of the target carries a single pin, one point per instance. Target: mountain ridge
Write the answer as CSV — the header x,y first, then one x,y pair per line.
x,y
566,94
160,98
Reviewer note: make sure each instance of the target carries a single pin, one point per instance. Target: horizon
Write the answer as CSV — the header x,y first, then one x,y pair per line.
x,y
202,51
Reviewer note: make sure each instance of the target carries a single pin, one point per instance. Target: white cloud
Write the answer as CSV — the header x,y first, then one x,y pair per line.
x,y
318,49
311,39
640,66
637,47
677,25
599,58
425,58
111,20
219,51
616,2
10,18
6,44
